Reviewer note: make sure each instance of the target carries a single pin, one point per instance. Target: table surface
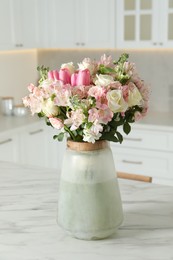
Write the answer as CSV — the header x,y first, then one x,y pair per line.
x,y
28,229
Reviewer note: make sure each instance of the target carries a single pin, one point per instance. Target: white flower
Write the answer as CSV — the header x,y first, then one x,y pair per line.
x,y
68,66
103,80
116,102
134,97
93,133
87,63
49,108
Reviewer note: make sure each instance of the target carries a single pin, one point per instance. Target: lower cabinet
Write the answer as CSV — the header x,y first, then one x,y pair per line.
x,y
146,152
9,147
32,146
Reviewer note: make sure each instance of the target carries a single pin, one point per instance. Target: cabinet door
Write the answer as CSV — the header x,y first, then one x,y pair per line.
x,y
61,23
6,25
9,148
26,29
166,14
80,23
96,23
33,145
138,23
55,149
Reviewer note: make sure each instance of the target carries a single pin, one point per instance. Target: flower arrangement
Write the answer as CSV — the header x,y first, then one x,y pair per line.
x,y
92,101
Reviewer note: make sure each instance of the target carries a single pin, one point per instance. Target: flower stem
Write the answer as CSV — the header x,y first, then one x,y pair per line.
x,y
70,132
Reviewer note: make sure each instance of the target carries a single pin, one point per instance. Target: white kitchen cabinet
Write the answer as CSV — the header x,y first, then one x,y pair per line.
x,y
9,147
33,150
7,40
80,23
144,23
20,24
146,152
55,149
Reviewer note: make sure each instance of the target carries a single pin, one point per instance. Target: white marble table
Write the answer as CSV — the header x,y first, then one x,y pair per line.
x,y
28,230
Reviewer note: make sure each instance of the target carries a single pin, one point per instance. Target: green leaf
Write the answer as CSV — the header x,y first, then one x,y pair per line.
x,y
59,137
110,136
41,114
119,136
105,70
126,128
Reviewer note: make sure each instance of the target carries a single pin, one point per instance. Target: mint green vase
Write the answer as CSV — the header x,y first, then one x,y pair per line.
x,y
89,205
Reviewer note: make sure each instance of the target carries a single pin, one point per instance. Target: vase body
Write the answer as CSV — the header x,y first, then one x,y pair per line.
x,y
89,205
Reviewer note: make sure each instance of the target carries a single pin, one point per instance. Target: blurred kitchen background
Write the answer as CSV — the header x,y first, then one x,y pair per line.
x,y
52,32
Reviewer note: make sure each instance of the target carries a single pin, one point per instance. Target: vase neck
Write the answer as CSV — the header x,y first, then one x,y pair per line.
x,y
84,146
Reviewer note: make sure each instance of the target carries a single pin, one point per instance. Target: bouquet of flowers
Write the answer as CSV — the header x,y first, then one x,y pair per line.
x,y
92,101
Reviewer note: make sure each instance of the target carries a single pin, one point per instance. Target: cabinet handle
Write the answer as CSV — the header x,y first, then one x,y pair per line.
x,y
77,43
133,139
132,162
154,43
82,43
160,43
36,132
19,45
6,141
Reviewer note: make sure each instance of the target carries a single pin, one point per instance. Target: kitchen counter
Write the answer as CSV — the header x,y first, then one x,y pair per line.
x,y
28,229
154,120
11,123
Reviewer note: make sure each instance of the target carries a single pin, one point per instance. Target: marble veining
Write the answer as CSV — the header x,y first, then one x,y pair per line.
x,y
28,229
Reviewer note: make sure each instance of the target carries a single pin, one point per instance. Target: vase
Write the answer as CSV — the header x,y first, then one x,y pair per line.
x,y
89,205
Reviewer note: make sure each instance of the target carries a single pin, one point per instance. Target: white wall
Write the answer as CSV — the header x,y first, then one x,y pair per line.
x,y
17,70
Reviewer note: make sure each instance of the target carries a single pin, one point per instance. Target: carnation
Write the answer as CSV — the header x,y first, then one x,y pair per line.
x,y
91,101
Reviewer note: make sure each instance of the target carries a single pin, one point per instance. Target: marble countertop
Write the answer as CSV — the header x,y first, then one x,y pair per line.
x,y
28,229
11,123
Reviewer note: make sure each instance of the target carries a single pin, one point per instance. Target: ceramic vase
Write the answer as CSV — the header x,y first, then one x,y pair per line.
x,y
89,205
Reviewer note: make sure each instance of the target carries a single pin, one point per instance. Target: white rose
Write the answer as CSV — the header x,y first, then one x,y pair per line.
x,y
69,66
103,80
134,97
49,108
116,102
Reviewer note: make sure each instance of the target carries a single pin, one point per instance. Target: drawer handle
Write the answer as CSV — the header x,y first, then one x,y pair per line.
x,y
132,162
6,141
133,139
36,132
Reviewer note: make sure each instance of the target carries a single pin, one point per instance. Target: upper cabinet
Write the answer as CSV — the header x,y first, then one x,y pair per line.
x,y
144,23
80,23
19,24
7,40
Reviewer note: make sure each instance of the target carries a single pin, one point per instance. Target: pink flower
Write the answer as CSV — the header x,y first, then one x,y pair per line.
x,y
105,116
100,95
56,123
31,87
83,77
65,76
125,90
106,60
75,119
93,115
50,74
74,77
137,116
55,74
100,116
